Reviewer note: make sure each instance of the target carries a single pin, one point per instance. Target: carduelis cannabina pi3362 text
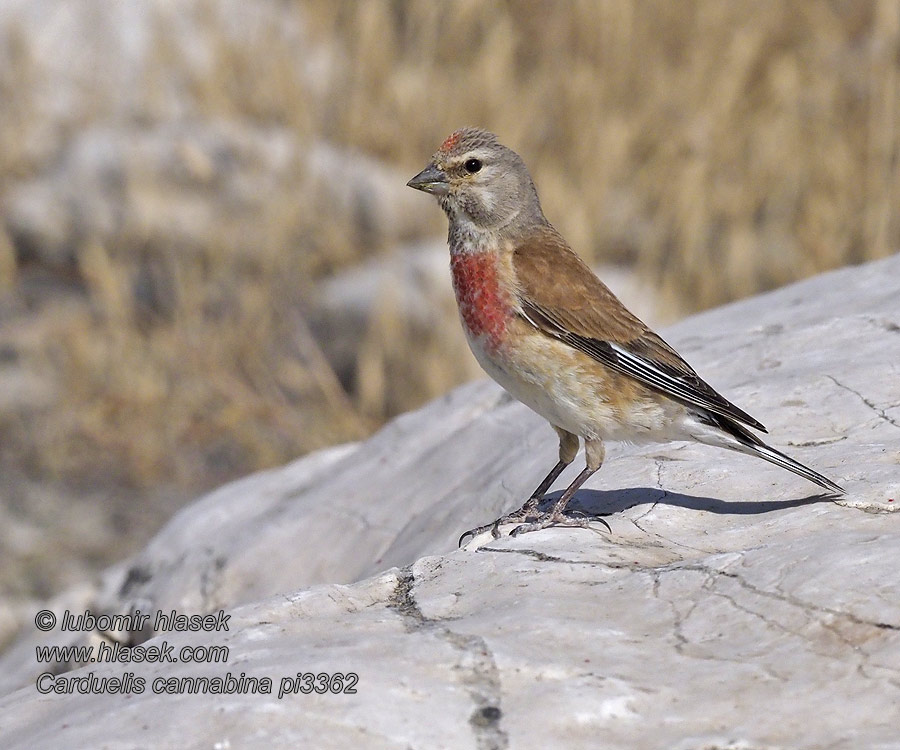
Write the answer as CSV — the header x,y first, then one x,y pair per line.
x,y
550,332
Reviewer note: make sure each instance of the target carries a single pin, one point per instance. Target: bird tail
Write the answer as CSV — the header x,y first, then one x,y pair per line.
x,y
748,443
780,459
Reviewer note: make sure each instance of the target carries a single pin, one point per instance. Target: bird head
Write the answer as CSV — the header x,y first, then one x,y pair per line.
x,y
478,180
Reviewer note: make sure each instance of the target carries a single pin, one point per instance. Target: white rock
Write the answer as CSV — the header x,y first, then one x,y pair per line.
x,y
731,607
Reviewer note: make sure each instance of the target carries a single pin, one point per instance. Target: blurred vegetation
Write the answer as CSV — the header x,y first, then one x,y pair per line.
x,y
719,148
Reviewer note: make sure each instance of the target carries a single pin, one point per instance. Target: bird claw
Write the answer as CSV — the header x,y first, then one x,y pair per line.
x,y
522,514
597,518
468,536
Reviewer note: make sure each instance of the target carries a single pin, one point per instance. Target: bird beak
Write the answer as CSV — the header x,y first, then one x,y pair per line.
x,y
432,180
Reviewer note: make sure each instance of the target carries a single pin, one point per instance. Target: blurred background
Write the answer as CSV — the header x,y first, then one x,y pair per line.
x,y
210,263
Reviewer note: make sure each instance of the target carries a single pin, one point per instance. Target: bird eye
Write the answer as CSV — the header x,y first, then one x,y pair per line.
x,y
472,165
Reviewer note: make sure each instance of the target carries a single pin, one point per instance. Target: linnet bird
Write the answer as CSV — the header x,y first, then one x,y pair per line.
x,y
551,333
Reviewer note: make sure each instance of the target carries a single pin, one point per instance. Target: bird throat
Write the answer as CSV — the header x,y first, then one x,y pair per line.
x,y
483,305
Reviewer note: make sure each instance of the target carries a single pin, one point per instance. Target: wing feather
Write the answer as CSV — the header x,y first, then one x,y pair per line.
x,y
560,296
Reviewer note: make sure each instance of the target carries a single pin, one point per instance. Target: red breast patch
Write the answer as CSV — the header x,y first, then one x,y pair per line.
x,y
482,304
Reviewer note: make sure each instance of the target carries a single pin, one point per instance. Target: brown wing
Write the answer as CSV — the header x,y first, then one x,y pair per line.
x,y
562,297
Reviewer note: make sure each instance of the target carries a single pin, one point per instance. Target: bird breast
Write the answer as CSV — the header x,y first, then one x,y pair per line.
x,y
484,306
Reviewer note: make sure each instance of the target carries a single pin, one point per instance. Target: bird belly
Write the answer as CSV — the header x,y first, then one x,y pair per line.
x,y
565,386
575,392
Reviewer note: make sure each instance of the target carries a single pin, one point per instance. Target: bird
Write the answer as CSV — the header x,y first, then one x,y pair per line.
x,y
542,325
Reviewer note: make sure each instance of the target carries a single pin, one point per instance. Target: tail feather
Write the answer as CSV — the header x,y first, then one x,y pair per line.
x,y
780,459
750,444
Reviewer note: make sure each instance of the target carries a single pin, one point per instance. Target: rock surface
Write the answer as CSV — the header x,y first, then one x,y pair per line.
x,y
731,607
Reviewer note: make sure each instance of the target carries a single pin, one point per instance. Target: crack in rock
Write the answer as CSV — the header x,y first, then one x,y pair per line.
x,y
661,498
709,586
816,442
544,557
882,413
656,502
784,597
682,644
677,618
813,612
826,617
477,665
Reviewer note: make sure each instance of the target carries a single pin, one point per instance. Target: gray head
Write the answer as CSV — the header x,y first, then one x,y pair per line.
x,y
478,180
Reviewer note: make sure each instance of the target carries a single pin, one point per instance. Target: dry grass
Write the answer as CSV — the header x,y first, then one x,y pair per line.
x,y
757,139
721,148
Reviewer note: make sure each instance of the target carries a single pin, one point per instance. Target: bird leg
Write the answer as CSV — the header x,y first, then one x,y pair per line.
x,y
594,453
532,502
568,449
523,513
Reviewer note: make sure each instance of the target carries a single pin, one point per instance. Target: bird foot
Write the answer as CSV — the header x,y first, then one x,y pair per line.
x,y
535,522
556,518
526,513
